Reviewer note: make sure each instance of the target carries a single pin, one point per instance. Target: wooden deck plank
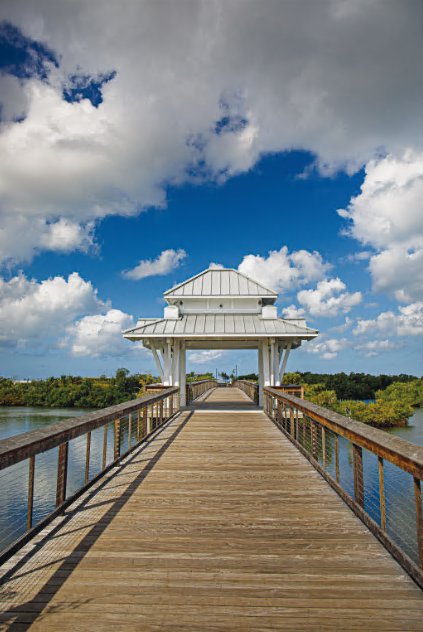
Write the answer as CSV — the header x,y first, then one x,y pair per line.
x,y
218,524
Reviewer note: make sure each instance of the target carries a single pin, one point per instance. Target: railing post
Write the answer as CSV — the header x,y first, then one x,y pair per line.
x,y
358,475
324,446
337,458
382,502
62,473
139,412
419,519
149,410
104,459
298,426
31,478
129,430
307,432
87,458
117,433
161,412
291,423
313,432
143,422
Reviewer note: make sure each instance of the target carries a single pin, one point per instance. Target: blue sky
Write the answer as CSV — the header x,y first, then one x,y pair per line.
x,y
131,165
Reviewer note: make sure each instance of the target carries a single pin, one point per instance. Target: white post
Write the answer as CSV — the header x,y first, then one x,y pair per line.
x,y
260,372
157,361
175,363
285,360
182,373
266,364
272,362
167,363
278,358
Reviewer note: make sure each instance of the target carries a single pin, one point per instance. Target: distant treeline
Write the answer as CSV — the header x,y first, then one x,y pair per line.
x,y
73,391
349,386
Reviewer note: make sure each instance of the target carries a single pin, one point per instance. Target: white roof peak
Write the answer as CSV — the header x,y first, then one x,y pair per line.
x,y
220,282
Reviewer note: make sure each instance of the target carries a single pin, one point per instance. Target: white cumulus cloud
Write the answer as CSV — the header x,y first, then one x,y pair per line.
x,y
202,90
99,334
166,262
293,311
204,357
282,270
408,321
388,215
399,271
327,349
373,348
329,298
31,310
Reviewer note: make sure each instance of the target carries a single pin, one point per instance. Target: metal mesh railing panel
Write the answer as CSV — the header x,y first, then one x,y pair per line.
x,y
400,509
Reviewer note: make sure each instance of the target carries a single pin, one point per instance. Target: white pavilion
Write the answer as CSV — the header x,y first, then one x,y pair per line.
x,y
220,309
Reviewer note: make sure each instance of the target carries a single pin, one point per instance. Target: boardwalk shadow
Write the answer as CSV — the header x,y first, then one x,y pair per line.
x,y
21,617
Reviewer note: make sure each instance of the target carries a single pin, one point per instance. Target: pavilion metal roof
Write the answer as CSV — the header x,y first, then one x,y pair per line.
x,y
221,325
219,282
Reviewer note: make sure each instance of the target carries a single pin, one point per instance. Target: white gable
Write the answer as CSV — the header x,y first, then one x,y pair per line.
x,y
220,282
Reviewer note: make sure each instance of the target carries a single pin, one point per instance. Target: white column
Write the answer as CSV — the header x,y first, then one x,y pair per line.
x,y
182,373
167,369
260,371
278,355
157,361
284,361
272,362
266,363
175,363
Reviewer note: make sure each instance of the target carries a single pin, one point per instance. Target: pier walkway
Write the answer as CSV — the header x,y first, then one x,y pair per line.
x,y
216,523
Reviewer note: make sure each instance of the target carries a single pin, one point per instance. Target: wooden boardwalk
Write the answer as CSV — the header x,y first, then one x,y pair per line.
x,y
217,524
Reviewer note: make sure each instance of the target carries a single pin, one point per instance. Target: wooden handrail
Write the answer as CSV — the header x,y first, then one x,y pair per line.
x,y
195,389
249,388
291,389
22,446
406,455
125,426
201,382
316,431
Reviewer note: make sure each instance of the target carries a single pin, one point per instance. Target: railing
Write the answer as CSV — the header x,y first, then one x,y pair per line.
x,y
43,471
291,389
158,387
378,475
249,388
252,389
195,389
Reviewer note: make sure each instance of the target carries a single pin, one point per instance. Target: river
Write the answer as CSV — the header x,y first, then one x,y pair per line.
x,y
17,419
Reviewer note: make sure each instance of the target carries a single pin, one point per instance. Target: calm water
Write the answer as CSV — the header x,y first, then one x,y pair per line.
x,y
414,431
14,480
17,419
